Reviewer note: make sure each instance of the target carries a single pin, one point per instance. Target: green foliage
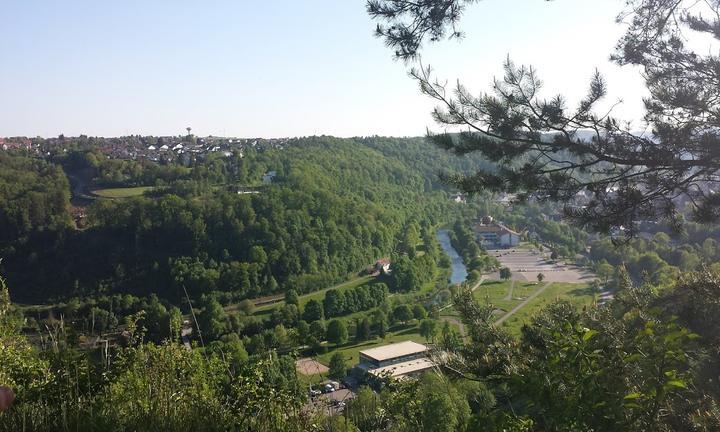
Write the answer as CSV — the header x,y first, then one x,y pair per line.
x,y
363,330
475,258
657,260
340,303
292,298
163,388
313,311
324,220
429,329
409,274
403,313
380,323
365,411
337,332
505,273
430,404
34,196
212,320
419,312
247,307
630,366
337,366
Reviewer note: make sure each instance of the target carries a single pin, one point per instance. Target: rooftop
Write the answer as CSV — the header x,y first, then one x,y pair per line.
x,y
404,368
493,228
394,350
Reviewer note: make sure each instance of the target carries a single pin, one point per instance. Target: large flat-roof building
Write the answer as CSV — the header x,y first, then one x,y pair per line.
x,y
398,360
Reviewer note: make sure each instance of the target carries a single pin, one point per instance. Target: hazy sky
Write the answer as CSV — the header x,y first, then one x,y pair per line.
x,y
273,68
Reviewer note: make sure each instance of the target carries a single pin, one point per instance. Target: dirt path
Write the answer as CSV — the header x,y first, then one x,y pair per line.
x,y
474,287
514,310
508,297
457,322
453,320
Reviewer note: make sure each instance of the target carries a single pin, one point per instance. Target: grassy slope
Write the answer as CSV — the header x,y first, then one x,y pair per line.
x,y
122,192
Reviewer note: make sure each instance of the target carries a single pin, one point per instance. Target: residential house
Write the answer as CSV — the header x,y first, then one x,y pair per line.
x,y
459,198
382,266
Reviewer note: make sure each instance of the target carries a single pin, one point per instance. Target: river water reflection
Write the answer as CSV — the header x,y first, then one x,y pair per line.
x,y
459,271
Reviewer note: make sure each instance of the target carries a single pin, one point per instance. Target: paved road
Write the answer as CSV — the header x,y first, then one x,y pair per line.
x,y
514,310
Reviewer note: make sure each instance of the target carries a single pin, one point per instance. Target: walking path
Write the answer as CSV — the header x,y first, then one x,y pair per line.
x,y
474,287
508,297
514,310
457,322
453,320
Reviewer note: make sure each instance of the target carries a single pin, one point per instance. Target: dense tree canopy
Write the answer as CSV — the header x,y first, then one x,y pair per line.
x,y
323,219
630,366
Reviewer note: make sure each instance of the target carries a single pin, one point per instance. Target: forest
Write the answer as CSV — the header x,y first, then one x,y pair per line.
x,y
209,237
205,283
321,220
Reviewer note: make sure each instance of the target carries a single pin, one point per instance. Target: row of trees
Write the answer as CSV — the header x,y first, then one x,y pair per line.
x,y
338,303
475,258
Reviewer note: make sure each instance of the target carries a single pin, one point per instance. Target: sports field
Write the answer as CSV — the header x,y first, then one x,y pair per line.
x,y
116,193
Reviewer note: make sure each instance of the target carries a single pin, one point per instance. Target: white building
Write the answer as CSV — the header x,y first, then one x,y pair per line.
x,y
459,198
492,234
398,360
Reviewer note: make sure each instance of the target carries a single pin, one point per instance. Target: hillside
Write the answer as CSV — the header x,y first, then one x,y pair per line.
x,y
335,206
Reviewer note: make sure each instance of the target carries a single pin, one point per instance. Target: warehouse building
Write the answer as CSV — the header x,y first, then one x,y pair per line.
x,y
398,360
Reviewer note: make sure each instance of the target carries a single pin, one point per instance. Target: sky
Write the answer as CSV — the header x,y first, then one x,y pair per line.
x,y
279,68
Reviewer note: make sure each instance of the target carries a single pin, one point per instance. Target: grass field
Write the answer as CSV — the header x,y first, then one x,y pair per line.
x,y
122,192
577,294
496,293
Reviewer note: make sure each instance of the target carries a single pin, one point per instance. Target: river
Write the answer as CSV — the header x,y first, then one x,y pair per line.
x,y
459,271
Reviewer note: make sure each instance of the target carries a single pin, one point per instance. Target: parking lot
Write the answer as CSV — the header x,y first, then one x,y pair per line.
x,y
526,264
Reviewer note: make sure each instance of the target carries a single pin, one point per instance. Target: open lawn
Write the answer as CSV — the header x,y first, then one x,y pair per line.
x,y
499,294
122,192
506,294
577,294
